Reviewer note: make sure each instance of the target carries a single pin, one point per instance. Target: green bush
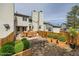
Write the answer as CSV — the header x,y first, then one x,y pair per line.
x,y
50,36
72,32
7,50
62,38
26,43
54,35
19,46
0,51
11,43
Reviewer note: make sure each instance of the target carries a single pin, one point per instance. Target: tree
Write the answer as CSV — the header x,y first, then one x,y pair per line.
x,y
73,24
72,17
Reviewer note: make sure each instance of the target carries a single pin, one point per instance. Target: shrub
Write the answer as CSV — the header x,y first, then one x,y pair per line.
x,y
26,43
50,36
54,35
0,51
72,32
7,50
11,43
19,46
62,38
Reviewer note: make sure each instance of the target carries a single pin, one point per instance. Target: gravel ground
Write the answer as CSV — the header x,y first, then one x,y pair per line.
x,y
74,52
43,48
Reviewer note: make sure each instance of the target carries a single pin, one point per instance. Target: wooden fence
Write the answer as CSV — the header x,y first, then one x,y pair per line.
x,y
9,38
34,33
40,33
43,34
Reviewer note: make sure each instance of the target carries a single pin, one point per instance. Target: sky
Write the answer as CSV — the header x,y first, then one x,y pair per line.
x,y
55,13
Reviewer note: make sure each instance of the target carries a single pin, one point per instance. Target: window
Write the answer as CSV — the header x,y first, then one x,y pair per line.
x,y
23,28
30,20
26,28
24,19
49,29
30,28
39,27
7,26
18,28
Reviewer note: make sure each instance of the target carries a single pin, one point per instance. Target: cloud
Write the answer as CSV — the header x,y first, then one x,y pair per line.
x,y
53,12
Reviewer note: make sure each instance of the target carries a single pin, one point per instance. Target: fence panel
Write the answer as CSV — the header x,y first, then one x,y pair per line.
x,y
9,38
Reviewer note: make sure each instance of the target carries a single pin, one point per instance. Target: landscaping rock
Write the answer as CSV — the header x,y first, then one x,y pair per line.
x,y
43,48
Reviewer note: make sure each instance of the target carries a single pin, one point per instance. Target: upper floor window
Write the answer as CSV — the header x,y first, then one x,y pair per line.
x,y
24,18
30,20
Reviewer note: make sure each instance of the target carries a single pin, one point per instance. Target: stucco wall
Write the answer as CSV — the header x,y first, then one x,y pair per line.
x,y
56,30
6,17
47,26
41,21
20,21
37,18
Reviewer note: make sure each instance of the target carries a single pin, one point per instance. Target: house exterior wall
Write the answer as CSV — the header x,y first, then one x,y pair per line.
x,y
37,18
56,30
47,27
37,23
41,21
20,21
6,17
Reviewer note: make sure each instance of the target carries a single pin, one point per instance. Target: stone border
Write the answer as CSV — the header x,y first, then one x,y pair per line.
x,y
26,52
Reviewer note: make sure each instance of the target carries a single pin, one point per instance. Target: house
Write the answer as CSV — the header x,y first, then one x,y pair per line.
x,y
56,28
63,27
6,23
48,27
16,23
37,18
29,23
6,19
22,23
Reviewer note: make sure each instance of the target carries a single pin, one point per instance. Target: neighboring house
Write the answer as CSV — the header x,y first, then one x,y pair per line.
x,y
6,19
63,27
48,27
56,29
22,23
17,23
29,23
